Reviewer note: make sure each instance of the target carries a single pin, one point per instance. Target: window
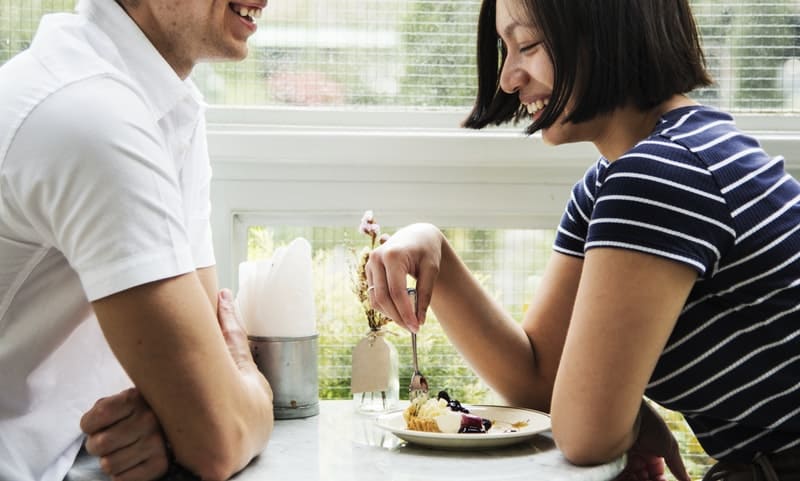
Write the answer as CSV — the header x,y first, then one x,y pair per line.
x,y
506,261
419,54
348,105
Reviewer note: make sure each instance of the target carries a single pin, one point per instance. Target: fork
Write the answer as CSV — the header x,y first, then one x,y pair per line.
x,y
418,385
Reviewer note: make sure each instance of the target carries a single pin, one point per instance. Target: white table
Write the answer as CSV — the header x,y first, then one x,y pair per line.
x,y
342,445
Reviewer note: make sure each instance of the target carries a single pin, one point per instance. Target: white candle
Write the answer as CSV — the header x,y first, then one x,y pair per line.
x,y
276,296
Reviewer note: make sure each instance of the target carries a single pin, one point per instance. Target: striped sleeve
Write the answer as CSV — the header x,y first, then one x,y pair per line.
x,y
571,234
660,200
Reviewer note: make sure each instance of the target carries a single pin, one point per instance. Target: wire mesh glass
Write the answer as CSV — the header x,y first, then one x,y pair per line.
x,y
507,262
420,54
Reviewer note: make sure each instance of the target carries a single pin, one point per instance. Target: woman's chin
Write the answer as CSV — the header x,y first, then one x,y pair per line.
x,y
550,138
560,133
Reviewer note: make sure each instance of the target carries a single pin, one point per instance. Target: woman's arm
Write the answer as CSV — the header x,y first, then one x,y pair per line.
x,y
585,350
626,307
517,361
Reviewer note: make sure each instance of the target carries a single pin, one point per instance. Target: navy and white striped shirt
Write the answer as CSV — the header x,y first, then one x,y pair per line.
x,y
700,192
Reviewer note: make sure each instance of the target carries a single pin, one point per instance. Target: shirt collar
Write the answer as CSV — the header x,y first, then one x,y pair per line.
x,y
163,89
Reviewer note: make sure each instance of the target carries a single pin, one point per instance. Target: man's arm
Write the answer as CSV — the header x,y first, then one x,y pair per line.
x,y
214,405
208,279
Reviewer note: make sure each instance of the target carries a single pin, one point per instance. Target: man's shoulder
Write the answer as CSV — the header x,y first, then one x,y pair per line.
x,y
67,53
66,49
85,108
71,48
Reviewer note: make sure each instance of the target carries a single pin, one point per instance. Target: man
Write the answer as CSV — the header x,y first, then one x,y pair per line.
x,y
105,243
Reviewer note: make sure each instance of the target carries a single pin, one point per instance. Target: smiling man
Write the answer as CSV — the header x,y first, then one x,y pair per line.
x,y
111,325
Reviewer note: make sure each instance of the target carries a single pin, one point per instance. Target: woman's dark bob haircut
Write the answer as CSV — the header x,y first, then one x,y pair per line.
x,y
606,54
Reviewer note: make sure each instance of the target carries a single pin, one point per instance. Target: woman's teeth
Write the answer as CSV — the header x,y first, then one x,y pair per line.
x,y
536,106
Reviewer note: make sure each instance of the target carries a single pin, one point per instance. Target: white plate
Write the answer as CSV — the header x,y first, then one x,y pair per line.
x,y
510,426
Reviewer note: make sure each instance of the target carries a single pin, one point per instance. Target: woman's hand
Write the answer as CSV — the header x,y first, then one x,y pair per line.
x,y
415,250
125,434
654,448
643,468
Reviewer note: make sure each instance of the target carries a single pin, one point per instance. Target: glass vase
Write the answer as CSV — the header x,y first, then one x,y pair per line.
x,y
375,376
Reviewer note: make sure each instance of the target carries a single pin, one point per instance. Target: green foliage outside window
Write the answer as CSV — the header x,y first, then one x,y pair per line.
x,y
341,322
749,46
438,66
427,58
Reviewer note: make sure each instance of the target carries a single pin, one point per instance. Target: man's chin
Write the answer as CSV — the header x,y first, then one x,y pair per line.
x,y
232,55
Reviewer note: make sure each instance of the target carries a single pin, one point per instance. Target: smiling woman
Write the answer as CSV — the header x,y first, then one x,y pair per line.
x,y
320,69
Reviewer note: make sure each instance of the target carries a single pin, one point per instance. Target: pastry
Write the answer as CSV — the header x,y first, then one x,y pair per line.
x,y
442,415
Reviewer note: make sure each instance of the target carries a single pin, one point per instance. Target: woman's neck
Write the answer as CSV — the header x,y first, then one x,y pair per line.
x,y
627,126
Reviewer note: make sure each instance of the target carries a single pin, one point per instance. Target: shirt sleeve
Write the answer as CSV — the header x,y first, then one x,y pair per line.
x,y
199,202
93,179
571,234
662,201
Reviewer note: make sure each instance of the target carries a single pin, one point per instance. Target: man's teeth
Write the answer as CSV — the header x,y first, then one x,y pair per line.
x,y
534,107
249,12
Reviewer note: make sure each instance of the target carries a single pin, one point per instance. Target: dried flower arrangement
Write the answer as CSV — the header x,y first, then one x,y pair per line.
x,y
371,228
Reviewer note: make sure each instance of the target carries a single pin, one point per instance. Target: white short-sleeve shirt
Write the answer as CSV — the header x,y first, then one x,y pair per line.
x,y
104,185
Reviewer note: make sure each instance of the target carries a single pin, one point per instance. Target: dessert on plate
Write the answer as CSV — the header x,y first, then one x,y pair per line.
x,y
443,415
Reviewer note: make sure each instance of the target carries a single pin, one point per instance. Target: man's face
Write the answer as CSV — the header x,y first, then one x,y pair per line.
x,y
186,32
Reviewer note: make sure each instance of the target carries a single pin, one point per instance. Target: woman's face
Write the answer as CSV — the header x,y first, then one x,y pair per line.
x,y
528,71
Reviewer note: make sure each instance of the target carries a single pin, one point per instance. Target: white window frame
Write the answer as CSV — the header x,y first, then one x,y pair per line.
x,y
308,167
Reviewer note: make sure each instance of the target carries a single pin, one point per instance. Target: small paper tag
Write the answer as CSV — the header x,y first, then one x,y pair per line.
x,y
370,365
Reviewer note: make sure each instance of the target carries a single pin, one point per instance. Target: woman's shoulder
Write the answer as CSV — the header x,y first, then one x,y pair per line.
x,y
704,131
660,157
663,163
690,138
688,118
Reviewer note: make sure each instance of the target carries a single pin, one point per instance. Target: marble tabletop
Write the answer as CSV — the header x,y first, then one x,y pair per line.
x,y
340,444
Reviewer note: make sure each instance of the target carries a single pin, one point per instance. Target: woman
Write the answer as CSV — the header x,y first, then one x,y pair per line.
x,y
674,272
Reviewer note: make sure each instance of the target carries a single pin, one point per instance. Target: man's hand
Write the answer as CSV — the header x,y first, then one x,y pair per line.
x,y
125,434
232,328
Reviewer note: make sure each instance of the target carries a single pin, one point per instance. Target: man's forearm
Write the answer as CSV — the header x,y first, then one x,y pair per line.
x,y
215,411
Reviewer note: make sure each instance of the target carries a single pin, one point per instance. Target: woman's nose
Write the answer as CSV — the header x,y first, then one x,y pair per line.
x,y
512,78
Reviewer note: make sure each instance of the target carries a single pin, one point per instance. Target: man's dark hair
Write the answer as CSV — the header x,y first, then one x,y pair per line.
x,y
605,54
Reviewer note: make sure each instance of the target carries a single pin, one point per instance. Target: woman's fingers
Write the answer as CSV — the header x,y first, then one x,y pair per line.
x,y
412,251
380,295
675,464
426,279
